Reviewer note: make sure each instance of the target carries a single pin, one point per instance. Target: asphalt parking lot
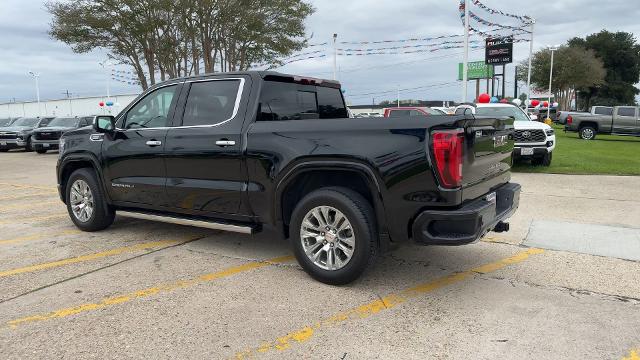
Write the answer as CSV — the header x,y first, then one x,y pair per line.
x,y
150,290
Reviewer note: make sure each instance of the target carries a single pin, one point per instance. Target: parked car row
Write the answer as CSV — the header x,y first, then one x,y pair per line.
x,y
38,134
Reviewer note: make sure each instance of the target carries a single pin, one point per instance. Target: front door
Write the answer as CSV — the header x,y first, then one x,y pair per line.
x,y
205,174
626,120
133,155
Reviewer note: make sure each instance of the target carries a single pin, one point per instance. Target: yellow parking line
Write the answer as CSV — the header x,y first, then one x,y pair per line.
x,y
159,289
25,186
31,205
34,219
39,236
633,355
392,300
89,257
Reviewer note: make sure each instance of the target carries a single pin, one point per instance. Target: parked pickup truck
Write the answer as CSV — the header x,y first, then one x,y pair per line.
x,y
254,151
625,120
19,133
48,137
595,110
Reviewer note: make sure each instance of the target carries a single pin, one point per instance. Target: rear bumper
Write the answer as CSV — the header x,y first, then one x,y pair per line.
x,y
468,223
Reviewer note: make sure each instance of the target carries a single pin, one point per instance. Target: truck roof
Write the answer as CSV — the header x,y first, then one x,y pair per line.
x,y
264,75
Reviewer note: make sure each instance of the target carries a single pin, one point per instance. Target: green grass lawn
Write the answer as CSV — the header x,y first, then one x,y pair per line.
x,y
607,154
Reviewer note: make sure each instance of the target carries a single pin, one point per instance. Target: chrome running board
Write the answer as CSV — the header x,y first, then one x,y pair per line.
x,y
187,221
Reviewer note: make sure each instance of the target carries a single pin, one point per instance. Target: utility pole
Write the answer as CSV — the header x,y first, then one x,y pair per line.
x,y
465,63
515,83
398,95
105,65
553,49
533,22
504,79
335,56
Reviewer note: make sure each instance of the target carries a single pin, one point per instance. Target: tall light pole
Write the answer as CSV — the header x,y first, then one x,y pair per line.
x,y
36,76
533,22
552,49
465,64
335,57
398,95
105,65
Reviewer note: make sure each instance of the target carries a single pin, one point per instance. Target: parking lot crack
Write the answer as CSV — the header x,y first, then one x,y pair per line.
x,y
99,269
574,292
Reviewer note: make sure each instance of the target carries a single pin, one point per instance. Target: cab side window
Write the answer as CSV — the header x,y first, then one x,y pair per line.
x,y
627,111
211,102
153,110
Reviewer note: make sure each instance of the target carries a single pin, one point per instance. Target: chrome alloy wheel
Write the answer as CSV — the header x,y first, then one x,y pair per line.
x,y
81,199
327,237
587,134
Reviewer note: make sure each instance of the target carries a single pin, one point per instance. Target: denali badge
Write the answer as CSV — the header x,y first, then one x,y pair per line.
x,y
499,141
128,186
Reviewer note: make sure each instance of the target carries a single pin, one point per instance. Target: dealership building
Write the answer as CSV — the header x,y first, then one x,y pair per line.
x,y
80,106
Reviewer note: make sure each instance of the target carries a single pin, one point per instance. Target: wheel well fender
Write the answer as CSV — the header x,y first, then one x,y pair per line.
x,y
74,162
306,177
592,124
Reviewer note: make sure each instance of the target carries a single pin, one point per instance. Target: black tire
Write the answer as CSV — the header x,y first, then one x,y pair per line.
x,y
28,147
103,214
587,133
41,150
359,213
546,160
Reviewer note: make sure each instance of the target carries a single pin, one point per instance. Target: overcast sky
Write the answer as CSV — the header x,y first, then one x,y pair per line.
x,y
26,46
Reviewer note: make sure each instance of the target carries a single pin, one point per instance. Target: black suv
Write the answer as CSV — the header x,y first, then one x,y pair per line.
x,y
18,134
254,151
48,137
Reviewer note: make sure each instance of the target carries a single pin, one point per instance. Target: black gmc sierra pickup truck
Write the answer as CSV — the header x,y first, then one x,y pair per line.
x,y
252,151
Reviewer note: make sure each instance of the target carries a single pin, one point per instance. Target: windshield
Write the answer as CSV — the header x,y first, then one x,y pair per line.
x,y
26,122
511,111
66,122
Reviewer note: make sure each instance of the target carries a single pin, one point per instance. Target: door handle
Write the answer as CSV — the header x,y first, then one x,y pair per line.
x,y
225,142
154,143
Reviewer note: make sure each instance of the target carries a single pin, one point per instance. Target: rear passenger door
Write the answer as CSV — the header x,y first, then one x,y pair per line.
x,y
205,175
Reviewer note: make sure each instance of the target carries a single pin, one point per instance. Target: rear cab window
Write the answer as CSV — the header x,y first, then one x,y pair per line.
x,y
293,101
604,111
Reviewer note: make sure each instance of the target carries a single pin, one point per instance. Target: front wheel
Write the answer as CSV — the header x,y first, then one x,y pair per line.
x,y
587,133
334,235
29,146
86,202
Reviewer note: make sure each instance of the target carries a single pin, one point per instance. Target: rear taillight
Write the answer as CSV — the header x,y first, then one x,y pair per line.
x,y
569,120
448,146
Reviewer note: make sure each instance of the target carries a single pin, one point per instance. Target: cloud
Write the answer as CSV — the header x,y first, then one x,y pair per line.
x,y
26,45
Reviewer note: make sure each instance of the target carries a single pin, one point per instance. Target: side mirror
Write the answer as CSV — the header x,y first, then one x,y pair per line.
x,y
104,123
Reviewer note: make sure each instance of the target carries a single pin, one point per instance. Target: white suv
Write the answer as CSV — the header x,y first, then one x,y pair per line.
x,y
533,140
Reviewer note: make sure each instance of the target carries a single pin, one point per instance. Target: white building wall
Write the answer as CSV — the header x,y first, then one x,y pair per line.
x,y
66,107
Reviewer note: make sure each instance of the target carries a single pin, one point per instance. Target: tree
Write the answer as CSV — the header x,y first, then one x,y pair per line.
x,y
620,55
573,68
173,37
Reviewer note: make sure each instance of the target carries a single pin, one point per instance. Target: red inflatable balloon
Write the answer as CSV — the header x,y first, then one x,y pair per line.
x,y
545,104
504,101
484,98
535,103
101,104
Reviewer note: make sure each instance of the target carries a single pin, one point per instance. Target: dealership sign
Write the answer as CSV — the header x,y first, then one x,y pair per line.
x,y
476,70
499,51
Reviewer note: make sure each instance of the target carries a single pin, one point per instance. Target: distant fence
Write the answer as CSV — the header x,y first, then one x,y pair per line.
x,y
67,107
